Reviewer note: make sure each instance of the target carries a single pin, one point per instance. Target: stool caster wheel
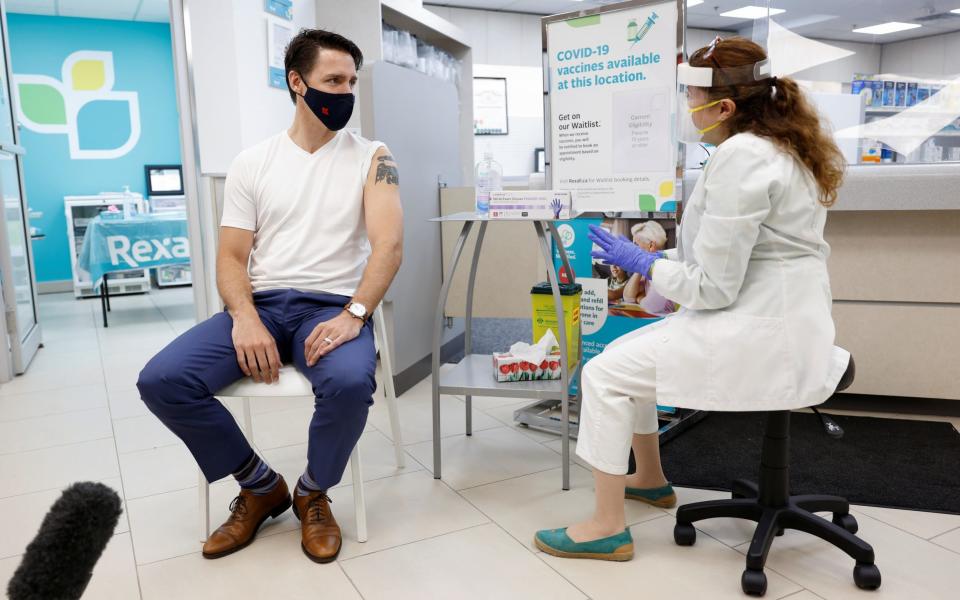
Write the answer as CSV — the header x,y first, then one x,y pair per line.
x,y
684,534
847,521
867,577
754,583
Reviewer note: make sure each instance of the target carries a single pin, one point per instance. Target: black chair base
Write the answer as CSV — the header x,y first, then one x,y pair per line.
x,y
774,510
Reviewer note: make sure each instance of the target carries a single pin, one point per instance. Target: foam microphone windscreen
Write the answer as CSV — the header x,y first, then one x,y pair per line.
x,y
58,563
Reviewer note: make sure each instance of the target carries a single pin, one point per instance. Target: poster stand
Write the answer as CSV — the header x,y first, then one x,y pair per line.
x,y
609,83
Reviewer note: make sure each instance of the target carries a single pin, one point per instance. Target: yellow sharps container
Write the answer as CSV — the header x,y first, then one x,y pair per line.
x,y
545,314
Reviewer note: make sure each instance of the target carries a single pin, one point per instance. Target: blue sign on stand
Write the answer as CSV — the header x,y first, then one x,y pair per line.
x,y
280,8
614,302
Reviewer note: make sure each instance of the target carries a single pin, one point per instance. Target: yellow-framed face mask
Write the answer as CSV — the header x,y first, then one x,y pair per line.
x,y
687,130
709,77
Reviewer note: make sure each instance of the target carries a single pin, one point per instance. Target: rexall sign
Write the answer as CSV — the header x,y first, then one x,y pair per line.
x,y
97,101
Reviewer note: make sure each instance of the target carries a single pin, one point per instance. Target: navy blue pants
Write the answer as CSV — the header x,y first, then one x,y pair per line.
x,y
178,384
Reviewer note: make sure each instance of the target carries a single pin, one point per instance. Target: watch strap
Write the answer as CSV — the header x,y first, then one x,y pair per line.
x,y
349,312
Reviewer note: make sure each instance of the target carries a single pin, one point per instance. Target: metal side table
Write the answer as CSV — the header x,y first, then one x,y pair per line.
x,y
474,374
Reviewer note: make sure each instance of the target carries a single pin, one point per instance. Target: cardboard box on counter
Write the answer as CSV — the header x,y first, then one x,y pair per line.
x,y
541,205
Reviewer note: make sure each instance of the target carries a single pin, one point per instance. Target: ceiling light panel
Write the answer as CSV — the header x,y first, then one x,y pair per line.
x,y
885,28
752,12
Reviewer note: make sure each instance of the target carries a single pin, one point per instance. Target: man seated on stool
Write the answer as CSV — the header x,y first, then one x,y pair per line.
x,y
310,239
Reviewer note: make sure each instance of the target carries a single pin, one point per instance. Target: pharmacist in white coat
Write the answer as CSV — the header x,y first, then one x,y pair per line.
x,y
755,331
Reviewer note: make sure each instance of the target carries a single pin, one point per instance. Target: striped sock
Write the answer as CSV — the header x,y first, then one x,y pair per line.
x,y
307,485
257,476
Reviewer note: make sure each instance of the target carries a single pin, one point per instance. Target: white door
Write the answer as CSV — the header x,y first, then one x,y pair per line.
x,y
16,254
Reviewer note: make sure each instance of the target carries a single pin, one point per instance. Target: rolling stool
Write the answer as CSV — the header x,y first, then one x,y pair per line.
x,y
774,509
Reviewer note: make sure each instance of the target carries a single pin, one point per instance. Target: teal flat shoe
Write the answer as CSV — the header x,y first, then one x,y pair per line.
x,y
663,497
617,547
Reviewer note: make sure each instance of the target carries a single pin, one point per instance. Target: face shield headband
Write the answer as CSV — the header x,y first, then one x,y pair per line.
x,y
709,77
718,75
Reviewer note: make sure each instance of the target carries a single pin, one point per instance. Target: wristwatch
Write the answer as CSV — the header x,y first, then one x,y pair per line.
x,y
356,310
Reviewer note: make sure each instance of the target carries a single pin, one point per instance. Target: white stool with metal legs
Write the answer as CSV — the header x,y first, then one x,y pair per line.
x,y
293,384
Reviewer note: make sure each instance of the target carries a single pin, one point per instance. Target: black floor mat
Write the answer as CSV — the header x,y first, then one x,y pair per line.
x,y
883,462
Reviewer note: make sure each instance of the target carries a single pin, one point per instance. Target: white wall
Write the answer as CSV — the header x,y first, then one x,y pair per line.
x,y
235,107
507,45
934,56
865,60
497,38
525,119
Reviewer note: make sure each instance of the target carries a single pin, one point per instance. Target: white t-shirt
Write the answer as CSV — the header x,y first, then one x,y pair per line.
x,y
306,212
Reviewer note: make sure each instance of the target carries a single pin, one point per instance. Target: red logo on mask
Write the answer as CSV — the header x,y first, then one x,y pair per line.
x,y
325,111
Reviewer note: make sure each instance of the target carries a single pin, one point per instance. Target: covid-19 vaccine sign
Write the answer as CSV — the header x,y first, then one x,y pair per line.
x,y
612,96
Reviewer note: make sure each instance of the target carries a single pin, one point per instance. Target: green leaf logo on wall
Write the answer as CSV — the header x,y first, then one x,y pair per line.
x,y
99,122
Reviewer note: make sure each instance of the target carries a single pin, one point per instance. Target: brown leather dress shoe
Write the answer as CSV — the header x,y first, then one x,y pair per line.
x,y
321,538
248,511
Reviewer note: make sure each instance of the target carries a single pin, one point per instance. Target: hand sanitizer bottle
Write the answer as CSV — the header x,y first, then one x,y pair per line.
x,y
488,177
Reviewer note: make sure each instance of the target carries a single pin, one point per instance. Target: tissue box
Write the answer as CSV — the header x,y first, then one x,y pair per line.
x,y
507,367
542,205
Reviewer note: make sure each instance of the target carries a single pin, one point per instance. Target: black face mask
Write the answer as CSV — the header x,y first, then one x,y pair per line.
x,y
333,110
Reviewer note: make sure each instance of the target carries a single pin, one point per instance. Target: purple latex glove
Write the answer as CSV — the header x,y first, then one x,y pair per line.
x,y
622,252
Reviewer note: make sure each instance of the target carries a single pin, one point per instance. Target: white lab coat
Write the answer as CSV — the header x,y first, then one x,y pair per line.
x,y
755,331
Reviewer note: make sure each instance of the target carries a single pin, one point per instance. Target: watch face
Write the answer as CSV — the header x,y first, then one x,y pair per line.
x,y
358,309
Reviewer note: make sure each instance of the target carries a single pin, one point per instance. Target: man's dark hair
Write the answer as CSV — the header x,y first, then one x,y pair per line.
x,y
301,54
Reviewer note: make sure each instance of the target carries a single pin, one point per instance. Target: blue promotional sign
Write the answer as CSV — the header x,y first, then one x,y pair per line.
x,y
280,8
278,78
614,302
140,242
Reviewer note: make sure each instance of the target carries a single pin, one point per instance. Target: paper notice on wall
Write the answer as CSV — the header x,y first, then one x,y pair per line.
x,y
278,36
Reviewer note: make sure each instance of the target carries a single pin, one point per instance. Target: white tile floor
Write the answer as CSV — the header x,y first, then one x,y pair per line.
x,y
76,416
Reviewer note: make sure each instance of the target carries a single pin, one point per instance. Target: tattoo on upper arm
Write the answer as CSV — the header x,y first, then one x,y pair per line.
x,y
387,170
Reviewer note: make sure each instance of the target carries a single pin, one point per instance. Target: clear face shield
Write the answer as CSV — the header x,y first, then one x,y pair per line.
x,y
692,98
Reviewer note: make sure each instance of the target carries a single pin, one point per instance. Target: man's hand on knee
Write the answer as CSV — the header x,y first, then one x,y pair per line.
x,y
329,335
257,351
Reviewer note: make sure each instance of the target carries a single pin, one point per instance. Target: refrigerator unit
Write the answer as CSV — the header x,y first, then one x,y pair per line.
x,y
165,190
79,211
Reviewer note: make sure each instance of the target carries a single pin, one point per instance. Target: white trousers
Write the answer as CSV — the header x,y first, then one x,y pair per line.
x,y
619,399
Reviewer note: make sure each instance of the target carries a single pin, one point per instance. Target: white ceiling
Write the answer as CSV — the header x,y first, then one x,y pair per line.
x,y
823,19
122,10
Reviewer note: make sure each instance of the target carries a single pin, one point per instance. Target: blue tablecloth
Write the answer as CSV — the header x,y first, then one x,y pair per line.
x,y
140,242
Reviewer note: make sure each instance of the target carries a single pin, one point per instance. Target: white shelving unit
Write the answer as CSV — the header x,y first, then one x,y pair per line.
x,y
79,211
952,131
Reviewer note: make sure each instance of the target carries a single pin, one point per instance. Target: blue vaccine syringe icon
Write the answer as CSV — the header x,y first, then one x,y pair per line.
x,y
635,34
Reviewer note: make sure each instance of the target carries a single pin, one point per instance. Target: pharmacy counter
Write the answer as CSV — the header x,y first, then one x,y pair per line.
x,y
898,187
895,276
